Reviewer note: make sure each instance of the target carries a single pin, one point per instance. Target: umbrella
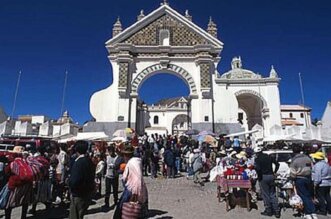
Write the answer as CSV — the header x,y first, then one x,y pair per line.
x,y
120,133
122,139
208,139
191,132
207,133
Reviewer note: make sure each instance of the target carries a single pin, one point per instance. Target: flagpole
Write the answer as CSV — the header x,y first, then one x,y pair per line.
x,y
64,92
303,99
16,93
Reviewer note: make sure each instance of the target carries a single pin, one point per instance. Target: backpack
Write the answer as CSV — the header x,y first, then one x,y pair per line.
x,y
22,169
39,166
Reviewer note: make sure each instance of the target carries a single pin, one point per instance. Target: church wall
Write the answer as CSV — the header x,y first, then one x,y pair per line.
x,y
104,104
273,98
226,104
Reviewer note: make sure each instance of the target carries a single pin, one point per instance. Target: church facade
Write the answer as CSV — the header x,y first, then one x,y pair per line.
x,y
166,41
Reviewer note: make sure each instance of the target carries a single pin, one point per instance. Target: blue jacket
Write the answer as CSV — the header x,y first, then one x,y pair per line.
x,y
322,174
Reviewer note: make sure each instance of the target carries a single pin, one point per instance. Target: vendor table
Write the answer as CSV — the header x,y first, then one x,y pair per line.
x,y
224,185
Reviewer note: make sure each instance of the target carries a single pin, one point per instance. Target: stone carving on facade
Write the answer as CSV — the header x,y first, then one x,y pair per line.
x,y
205,75
123,74
117,28
273,73
180,34
158,67
188,16
212,28
141,15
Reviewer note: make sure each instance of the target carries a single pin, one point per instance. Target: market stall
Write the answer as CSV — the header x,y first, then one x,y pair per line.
x,y
226,186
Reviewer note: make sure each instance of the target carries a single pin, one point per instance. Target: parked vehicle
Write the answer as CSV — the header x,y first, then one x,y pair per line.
x,y
33,142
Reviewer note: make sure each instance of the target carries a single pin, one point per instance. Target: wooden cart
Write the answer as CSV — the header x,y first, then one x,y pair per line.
x,y
225,185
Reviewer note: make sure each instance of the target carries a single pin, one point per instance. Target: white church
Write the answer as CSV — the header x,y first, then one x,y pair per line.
x,y
166,41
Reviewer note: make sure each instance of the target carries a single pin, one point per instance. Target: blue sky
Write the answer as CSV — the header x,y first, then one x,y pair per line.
x,y
43,38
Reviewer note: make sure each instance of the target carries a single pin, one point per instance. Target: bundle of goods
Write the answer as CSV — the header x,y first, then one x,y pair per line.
x,y
235,173
27,170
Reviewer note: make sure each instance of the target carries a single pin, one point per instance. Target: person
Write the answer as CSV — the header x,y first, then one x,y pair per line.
x,y
227,143
20,185
212,156
61,172
221,143
236,144
197,166
99,172
154,164
169,160
322,182
81,182
300,172
134,185
147,155
177,153
111,177
42,191
266,178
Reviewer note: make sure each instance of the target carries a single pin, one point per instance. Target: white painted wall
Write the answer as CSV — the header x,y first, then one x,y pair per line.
x,y
296,116
38,119
326,119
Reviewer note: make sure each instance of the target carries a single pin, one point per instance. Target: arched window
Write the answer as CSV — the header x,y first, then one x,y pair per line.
x,y
164,37
156,120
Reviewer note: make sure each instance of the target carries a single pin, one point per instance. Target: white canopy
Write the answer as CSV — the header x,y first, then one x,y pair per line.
x,y
87,136
242,133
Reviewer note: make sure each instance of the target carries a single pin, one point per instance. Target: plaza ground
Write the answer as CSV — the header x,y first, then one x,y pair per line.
x,y
171,198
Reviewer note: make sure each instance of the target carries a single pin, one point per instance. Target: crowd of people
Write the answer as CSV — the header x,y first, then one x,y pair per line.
x,y
59,174
74,172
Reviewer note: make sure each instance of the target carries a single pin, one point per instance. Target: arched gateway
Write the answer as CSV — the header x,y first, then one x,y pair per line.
x,y
166,41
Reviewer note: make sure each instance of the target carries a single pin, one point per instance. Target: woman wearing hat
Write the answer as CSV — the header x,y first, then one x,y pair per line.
x,y
135,189
322,182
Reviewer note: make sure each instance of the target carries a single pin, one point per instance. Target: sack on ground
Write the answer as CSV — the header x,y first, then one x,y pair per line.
x,y
296,202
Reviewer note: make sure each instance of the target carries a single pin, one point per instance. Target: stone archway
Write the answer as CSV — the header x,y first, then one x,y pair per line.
x,y
252,93
158,68
254,106
180,124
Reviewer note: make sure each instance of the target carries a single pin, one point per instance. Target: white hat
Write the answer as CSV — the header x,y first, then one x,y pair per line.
x,y
233,153
242,155
257,149
197,150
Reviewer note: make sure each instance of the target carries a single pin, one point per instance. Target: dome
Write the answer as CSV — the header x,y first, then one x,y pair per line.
x,y
237,72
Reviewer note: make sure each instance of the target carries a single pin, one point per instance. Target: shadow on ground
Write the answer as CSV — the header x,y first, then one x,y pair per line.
x,y
154,213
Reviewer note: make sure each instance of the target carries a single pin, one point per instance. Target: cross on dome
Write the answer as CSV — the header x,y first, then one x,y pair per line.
x,y
165,2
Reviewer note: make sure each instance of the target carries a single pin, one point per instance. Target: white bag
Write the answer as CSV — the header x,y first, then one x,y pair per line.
x,y
218,170
295,200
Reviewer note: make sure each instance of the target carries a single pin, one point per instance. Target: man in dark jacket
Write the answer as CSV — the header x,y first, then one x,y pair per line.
x,y
169,160
81,181
265,172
